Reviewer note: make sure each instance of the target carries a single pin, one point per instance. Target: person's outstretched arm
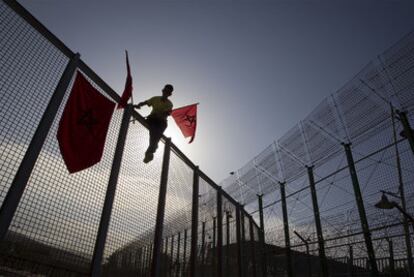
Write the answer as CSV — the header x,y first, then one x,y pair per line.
x,y
139,105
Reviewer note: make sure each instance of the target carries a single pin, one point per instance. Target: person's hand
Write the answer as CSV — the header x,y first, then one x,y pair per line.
x,y
138,106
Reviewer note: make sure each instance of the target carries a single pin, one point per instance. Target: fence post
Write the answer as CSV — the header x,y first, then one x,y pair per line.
x,y
159,225
17,187
322,256
361,210
203,247
408,132
243,239
177,262
286,230
351,261
228,216
219,232
194,224
238,238
172,257
185,253
262,237
252,247
96,269
391,251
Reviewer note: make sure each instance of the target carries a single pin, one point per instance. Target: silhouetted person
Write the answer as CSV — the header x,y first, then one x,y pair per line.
x,y
157,120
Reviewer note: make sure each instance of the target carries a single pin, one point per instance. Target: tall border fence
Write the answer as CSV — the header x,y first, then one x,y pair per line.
x,y
335,194
119,218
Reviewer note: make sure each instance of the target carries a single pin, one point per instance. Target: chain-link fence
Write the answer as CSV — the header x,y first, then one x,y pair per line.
x,y
120,217
334,167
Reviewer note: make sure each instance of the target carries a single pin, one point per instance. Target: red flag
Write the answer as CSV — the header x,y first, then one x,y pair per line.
x,y
186,119
128,86
84,125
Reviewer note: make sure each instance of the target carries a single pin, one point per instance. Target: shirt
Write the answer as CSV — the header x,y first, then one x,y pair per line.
x,y
160,107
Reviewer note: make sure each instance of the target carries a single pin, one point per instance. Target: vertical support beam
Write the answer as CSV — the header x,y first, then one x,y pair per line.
x,y
214,231
286,230
228,216
351,261
322,256
177,262
408,132
219,232
22,176
361,210
262,238
185,254
159,225
213,245
96,269
203,247
252,247
194,224
391,251
163,260
171,266
239,248
243,239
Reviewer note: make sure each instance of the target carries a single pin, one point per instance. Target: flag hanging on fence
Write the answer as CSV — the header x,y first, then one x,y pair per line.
x,y
186,119
84,125
128,86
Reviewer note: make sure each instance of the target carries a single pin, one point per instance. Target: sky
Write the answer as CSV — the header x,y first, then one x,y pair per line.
x,y
256,67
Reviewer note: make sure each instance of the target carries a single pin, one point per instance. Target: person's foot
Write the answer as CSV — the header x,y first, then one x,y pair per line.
x,y
148,157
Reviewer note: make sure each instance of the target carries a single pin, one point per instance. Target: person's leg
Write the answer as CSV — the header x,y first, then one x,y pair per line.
x,y
156,129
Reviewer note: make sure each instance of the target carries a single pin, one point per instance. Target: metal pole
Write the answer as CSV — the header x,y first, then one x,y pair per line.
x,y
194,224
252,247
391,251
203,246
262,237
361,210
96,269
228,215
155,267
286,230
219,233
243,239
239,248
17,187
177,262
214,231
351,261
185,253
322,256
408,132
172,257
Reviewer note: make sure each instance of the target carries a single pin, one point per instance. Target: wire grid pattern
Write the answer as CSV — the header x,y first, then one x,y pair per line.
x,y
56,223
135,205
206,254
58,216
31,68
358,113
178,213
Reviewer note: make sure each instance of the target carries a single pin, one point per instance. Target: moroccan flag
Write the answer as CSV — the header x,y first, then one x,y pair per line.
x,y
186,119
84,125
128,86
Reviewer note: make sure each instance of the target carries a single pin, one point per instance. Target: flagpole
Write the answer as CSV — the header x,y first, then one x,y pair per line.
x,y
187,106
132,93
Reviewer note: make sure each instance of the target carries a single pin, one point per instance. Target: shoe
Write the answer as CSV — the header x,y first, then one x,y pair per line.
x,y
148,157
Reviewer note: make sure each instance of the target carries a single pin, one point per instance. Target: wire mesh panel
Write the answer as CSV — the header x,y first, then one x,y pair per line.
x,y
30,70
178,214
58,216
131,228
